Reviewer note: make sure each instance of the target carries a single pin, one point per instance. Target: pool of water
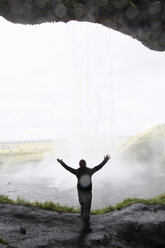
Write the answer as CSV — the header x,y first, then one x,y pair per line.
x,y
47,182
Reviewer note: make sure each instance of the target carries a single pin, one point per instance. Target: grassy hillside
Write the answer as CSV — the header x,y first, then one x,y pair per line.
x,y
148,146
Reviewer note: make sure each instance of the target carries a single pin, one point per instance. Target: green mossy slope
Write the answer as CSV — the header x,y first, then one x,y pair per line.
x,y
146,147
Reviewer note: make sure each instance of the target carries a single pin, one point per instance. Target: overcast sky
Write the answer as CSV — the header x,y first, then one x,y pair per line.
x,y
77,79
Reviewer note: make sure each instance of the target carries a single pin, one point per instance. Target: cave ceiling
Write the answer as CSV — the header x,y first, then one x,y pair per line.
x,y
143,20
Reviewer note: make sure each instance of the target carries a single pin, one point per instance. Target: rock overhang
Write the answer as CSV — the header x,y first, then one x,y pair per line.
x,y
143,20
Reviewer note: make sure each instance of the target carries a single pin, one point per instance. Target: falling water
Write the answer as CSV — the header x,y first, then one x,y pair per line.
x,y
91,129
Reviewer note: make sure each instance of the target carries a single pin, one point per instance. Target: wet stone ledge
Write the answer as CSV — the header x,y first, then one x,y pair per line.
x,y
136,226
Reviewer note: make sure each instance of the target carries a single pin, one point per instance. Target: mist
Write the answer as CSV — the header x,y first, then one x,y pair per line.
x,y
77,80
89,87
47,180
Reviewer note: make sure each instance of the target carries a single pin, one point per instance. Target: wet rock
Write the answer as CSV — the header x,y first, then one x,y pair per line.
x,y
22,230
143,20
139,226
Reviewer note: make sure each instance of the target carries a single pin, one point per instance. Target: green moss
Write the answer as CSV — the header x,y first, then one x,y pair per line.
x,y
6,199
47,205
129,201
102,210
160,199
3,242
55,207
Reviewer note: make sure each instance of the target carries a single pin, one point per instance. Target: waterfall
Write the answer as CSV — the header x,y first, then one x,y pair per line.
x,y
91,83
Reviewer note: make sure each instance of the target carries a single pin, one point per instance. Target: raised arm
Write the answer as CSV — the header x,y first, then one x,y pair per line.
x,y
98,167
67,167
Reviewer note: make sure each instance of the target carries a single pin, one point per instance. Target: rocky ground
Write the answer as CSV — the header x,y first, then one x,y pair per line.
x,y
138,225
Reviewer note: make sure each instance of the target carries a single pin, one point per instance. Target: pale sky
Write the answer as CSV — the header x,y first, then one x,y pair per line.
x,y
77,79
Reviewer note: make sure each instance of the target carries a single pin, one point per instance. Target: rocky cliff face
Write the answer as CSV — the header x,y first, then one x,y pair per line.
x,y
139,225
143,20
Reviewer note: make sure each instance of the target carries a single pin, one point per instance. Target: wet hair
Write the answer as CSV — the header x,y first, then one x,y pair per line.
x,y
82,163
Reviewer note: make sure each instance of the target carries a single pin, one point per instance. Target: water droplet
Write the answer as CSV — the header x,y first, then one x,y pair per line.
x,y
40,3
156,25
85,181
16,7
154,8
132,12
119,4
89,18
60,10
102,2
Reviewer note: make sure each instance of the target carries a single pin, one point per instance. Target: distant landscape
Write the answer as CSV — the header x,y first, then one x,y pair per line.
x,y
146,147
30,170
17,153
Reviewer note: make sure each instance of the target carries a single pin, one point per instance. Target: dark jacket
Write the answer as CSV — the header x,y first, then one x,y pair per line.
x,y
84,174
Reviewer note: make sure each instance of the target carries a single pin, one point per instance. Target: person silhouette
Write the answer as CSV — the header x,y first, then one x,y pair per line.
x,y
84,187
